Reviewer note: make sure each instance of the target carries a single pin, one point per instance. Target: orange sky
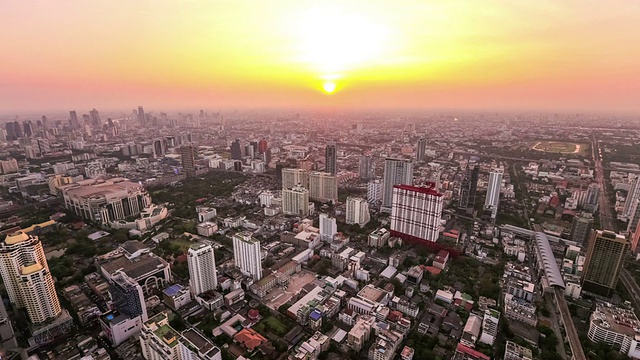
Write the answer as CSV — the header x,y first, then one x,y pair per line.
x,y
530,55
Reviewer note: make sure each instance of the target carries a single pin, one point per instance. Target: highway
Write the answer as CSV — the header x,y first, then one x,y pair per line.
x,y
632,287
604,208
569,326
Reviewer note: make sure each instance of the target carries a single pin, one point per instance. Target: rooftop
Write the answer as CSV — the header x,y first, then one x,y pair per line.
x,y
372,293
617,319
135,268
16,237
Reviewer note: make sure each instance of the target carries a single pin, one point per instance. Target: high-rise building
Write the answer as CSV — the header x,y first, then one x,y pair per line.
x,y
248,255
28,128
94,116
357,211
202,269
142,117
262,146
331,159
396,172
494,186
10,127
469,189
634,217
43,146
605,257
328,227
160,147
74,123
374,191
294,177
127,296
188,158
593,193
421,149
416,213
295,201
632,196
236,150
581,228
323,186
365,168
26,277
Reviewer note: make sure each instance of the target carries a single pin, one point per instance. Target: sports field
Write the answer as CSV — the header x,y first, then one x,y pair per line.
x,y
559,147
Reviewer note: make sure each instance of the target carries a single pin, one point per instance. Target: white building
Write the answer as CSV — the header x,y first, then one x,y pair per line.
x,y
247,255
202,269
328,227
396,172
357,211
158,340
26,277
471,331
416,212
489,327
295,177
206,213
266,198
374,191
493,191
207,228
323,186
514,351
295,201
615,326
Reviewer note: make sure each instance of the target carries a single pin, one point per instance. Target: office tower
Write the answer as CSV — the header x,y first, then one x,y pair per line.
x,y
581,228
249,151
294,177
28,128
323,186
357,211
374,191
632,196
142,117
43,145
328,227
396,172
365,168
331,159
202,269
254,145
262,146
605,257
188,158
421,149
236,151
160,147
247,255
74,123
11,131
94,117
416,213
17,129
29,152
266,157
3,135
593,193
295,201
634,216
469,189
493,191
26,277
127,296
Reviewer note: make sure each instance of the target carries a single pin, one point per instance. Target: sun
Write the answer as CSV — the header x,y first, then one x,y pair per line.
x,y
329,87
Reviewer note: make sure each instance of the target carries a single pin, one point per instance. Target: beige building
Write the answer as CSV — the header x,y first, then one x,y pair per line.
x,y
295,177
605,257
323,186
295,201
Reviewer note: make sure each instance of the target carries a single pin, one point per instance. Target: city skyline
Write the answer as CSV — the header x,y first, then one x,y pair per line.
x,y
441,55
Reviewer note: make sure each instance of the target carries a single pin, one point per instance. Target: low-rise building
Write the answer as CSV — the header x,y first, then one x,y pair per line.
x,y
379,237
471,331
176,296
617,327
514,351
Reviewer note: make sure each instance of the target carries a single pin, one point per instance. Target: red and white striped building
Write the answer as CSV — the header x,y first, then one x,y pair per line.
x,y
416,212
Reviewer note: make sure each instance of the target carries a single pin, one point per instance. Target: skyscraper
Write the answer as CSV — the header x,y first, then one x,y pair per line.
x,y
581,228
331,159
142,117
416,212
28,128
593,193
188,158
26,277
247,255
294,177
295,201
323,186
11,131
396,172
74,123
374,191
262,146
357,211
605,257
127,296
492,200
202,269
365,168
469,189
328,227
160,147
17,129
236,150
95,118
421,149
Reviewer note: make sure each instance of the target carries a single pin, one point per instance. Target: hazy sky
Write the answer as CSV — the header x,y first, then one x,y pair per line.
x,y
536,55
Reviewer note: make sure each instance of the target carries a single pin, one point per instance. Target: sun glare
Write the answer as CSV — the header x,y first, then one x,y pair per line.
x,y
329,87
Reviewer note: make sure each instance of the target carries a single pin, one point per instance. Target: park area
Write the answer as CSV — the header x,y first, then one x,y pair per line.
x,y
559,147
272,324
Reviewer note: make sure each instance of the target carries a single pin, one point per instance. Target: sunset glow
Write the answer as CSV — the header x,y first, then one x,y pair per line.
x,y
383,54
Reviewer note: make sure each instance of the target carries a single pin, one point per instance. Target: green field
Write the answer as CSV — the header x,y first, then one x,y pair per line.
x,y
559,147
271,324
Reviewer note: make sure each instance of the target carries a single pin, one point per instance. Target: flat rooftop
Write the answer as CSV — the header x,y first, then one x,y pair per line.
x,y
614,318
372,293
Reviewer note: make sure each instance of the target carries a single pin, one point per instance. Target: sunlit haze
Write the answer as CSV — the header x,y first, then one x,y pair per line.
x,y
511,55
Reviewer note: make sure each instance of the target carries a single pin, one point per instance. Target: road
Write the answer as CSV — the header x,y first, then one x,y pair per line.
x,y
604,208
632,287
569,326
